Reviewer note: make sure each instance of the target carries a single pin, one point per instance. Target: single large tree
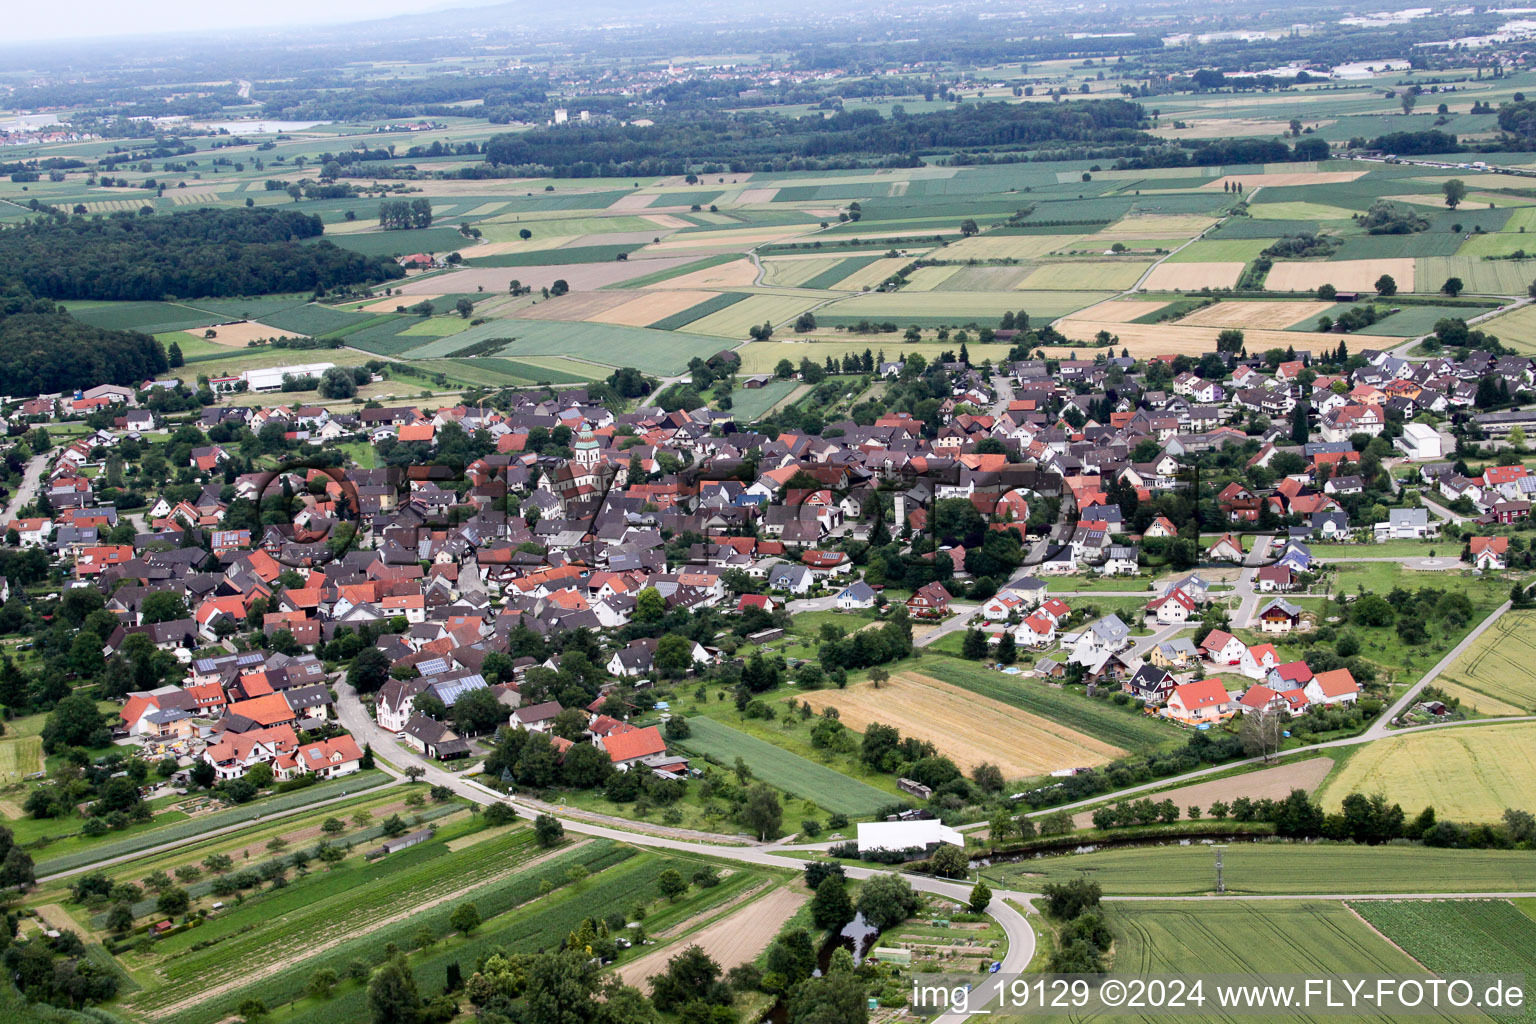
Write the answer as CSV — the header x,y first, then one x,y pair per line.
x,y
1455,191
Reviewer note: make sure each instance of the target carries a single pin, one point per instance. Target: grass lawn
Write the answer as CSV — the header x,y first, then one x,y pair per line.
x,y
1387,549
1276,867
1068,584
363,454
785,769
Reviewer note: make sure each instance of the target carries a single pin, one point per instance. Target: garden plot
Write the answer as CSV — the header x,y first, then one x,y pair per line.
x,y
1345,275
1019,743
1188,277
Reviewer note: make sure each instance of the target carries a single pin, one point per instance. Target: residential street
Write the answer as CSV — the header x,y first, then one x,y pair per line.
x,y
26,491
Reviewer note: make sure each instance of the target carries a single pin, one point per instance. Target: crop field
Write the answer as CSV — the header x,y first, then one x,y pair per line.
x,y
1109,275
512,372
663,352
312,320
733,273
1272,867
736,319
1274,316
1515,330
149,317
967,279
1168,277
785,769
1177,338
1298,211
1275,783
576,306
1469,773
1494,674
1100,720
959,307
731,941
1120,311
997,246
1411,321
1345,275
1304,939
579,277
794,271
664,310
1155,226
1019,742
1480,276
436,327
1459,937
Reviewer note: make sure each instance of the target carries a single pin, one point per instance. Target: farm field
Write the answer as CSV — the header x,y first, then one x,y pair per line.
x,y
763,356
732,940
1275,783
1469,773
1101,720
1085,274
1515,330
785,769
1459,937
1283,937
1274,867
1480,276
1274,316
1022,744
958,307
1493,676
649,351
1177,337
1345,275
735,319
998,246
1170,276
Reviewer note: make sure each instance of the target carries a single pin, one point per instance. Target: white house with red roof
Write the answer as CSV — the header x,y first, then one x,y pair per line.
x,y
1036,630
1056,610
628,748
999,607
1258,660
1222,648
1173,607
1201,702
1337,686
1489,552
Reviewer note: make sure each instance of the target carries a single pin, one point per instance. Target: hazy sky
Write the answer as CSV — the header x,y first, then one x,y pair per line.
x,y
95,18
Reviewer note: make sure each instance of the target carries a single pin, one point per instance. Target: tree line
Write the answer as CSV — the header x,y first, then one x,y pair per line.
x,y
196,253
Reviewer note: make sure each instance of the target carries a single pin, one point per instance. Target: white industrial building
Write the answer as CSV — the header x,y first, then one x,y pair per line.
x,y
271,378
1421,442
906,835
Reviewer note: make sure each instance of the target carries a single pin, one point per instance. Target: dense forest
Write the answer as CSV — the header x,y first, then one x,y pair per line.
x,y
47,350
201,253
764,142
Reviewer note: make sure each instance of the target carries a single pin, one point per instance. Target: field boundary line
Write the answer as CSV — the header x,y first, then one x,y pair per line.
x,y
1384,937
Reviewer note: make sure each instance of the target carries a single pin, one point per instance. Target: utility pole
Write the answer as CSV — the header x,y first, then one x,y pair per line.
x,y
1221,885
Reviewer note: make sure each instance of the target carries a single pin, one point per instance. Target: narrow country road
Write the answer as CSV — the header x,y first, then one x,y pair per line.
x,y
26,491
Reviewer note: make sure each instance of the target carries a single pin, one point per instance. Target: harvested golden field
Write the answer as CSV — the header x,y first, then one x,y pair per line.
x,y
756,195
666,220
1345,275
1188,277
966,727
633,201
1109,275
1177,338
1275,783
1002,247
727,275
870,276
236,335
390,304
1156,225
1221,128
535,244
650,307
1468,773
576,305
1274,316
727,240
1119,311
1284,178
